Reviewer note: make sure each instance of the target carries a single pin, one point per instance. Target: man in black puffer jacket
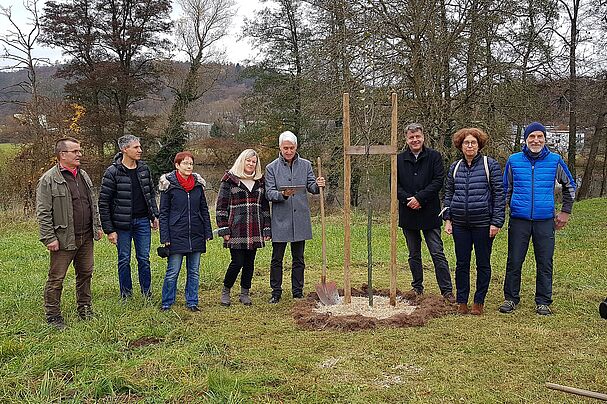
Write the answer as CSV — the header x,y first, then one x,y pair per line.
x,y
127,205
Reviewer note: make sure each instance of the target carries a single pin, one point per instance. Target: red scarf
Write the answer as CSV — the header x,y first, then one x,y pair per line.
x,y
188,183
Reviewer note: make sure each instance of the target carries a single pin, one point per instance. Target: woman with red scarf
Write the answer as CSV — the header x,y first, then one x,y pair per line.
x,y
185,227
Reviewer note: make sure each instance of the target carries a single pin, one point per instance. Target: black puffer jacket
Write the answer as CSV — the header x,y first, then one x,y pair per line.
x,y
469,199
115,195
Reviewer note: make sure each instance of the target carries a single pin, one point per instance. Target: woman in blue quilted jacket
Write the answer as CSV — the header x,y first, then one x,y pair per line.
x,y
474,210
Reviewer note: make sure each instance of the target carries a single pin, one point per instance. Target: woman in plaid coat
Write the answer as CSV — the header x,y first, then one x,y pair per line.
x,y
243,218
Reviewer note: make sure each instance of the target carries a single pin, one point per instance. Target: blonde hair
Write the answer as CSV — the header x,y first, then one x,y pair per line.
x,y
238,167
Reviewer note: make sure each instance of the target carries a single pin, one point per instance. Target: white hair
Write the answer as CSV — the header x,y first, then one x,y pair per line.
x,y
287,136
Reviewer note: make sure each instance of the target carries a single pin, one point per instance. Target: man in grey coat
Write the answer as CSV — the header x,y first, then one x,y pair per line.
x,y
288,179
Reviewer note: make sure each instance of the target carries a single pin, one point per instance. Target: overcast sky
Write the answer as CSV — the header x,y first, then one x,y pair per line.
x,y
236,51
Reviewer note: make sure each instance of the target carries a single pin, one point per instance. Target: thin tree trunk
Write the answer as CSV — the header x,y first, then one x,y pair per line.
x,y
585,188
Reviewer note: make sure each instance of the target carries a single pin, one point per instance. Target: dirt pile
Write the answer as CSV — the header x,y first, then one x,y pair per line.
x,y
411,311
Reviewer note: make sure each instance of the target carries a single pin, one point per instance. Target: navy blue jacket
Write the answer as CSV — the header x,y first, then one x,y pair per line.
x,y
422,178
470,200
184,216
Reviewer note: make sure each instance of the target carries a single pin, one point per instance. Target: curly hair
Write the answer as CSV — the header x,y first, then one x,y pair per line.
x,y
479,134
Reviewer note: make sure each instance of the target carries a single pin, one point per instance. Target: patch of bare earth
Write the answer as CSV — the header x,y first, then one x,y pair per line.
x,y
410,311
144,341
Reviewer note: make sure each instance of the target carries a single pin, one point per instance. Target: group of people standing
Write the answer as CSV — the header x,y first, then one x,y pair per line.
x,y
127,210
475,199
476,194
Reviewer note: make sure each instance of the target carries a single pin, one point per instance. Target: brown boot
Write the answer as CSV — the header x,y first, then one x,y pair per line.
x,y
462,308
477,309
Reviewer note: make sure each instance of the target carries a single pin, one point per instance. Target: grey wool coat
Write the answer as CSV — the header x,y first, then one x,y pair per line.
x,y
291,215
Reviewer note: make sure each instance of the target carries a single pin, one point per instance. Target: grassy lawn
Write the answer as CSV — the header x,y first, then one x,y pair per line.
x,y
132,352
7,150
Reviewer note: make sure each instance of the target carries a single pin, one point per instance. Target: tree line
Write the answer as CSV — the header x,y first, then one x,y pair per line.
x,y
454,63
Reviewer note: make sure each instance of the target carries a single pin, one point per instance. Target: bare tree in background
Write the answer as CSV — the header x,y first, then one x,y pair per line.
x,y
18,44
202,24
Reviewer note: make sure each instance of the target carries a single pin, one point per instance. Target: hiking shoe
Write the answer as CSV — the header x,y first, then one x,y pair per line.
x,y
245,298
57,322
477,309
462,308
449,297
417,292
543,310
274,299
225,300
507,307
193,309
86,313
298,295
603,309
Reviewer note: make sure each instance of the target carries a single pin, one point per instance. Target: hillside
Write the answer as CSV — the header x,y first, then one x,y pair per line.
x,y
223,98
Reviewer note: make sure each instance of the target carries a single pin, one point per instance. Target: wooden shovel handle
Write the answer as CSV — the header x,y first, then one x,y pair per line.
x,y
323,226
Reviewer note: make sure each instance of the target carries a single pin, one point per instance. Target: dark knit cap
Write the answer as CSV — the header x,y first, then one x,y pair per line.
x,y
532,127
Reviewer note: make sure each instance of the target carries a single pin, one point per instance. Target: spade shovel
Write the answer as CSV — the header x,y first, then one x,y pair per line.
x,y
326,291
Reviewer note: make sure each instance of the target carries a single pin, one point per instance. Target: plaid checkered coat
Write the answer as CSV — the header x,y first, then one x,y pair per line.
x,y
243,214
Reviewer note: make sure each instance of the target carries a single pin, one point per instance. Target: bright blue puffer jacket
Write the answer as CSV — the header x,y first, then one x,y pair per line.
x,y
529,184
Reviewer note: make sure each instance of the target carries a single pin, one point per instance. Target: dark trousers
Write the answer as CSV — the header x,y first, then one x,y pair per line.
x,y
465,238
541,232
82,257
297,267
435,247
244,259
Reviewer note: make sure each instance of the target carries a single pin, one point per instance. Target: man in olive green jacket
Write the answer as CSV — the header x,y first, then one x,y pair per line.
x,y
69,221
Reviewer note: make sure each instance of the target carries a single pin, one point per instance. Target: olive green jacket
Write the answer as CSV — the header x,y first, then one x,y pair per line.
x,y
55,212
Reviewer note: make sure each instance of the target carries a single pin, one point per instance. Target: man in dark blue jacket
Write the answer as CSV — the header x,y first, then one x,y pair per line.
x,y
421,173
127,205
529,178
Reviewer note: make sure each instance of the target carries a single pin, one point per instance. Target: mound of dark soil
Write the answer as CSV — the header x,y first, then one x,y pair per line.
x,y
428,307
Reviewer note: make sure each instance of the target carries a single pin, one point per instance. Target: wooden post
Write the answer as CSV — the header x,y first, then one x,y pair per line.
x,y
393,200
579,392
347,190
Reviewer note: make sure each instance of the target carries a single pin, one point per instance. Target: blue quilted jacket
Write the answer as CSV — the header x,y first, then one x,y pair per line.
x,y
470,200
529,183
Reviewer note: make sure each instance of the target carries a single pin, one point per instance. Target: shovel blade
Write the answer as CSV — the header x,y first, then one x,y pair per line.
x,y
328,294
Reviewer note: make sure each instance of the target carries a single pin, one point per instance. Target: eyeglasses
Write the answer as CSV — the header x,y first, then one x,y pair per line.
x,y
76,152
470,143
187,163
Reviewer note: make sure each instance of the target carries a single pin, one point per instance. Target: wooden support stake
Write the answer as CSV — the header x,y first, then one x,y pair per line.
x,y
347,190
579,392
393,200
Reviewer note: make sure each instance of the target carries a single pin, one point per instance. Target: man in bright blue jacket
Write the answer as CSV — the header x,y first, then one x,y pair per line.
x,y
529,178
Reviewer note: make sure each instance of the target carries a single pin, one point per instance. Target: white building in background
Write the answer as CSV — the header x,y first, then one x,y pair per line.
x,y
557,138
198,130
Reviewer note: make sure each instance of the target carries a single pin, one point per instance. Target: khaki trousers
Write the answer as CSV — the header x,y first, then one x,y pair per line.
x,y
82,257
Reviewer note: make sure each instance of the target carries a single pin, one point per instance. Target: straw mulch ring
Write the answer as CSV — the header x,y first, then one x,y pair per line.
x,y
410,311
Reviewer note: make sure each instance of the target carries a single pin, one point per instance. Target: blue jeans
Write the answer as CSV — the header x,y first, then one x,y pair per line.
x,y
169,287
140,233
541,232
435,247
465,238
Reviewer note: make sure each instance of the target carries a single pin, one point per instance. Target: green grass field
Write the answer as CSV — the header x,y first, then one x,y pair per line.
x,y
7,150
132,352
